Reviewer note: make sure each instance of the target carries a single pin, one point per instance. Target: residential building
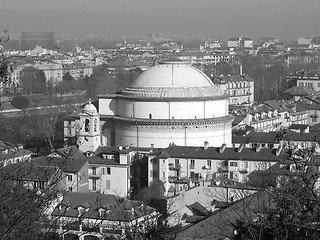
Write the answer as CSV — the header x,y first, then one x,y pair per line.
x,y
10,154
52,71
305,40
240,42
301,57
298,92
198,203
290,112
285,138
265,42
181,167
310,80
269,116
37,176
211,44
221,224
240,88
313,110
75,165
208,57
101,216
260,118
110,171
77,70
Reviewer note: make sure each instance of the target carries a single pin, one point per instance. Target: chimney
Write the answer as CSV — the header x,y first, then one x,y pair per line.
x,y
152,146
241,70
223,146
206,145
240,147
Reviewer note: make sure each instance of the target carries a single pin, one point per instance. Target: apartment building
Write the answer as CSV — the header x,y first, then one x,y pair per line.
x,y
100,216
10,154
240,42
181,167
110,174
240,88
306,79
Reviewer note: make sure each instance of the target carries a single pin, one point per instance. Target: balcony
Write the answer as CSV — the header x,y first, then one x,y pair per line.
x,y
174,167
172,178
243,170
94,175
175,179
222,169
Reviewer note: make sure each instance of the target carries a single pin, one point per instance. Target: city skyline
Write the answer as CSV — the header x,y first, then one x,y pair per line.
x,y
221,19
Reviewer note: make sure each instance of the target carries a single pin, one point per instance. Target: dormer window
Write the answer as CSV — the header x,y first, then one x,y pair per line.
x,y
63,208
103,211
132,210
82,210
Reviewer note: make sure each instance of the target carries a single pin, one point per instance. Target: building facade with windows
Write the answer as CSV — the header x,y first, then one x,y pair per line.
x,y
310,80
100,216
110,170
109,176
240,88
240,42
181,167
10,154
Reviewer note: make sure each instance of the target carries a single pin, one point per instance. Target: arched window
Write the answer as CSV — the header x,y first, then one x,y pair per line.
x,y
87,125
95,124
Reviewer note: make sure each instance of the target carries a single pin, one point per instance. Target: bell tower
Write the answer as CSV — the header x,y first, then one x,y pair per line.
x,y
89,134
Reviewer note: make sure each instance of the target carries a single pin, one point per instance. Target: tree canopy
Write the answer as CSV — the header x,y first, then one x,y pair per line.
x,y
33,81
20,102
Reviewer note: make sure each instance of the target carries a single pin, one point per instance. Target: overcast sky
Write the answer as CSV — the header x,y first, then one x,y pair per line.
x,y
219,19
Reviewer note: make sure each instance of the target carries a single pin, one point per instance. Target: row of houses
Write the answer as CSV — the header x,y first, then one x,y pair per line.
x,y
54,72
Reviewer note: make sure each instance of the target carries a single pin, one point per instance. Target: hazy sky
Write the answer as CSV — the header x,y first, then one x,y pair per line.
x,y
213,18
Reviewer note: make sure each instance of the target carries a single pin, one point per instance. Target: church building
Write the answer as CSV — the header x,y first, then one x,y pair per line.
x,y
171,103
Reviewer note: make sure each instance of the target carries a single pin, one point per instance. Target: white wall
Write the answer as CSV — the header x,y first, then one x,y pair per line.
x,y
216,136
176,110
107,106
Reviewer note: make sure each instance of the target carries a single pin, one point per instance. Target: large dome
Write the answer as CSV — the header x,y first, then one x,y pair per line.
x,y
173,75
172,80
